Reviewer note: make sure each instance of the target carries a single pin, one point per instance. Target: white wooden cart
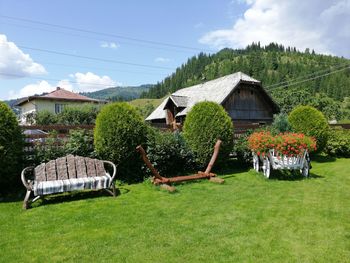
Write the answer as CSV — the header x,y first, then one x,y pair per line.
x,y
275,161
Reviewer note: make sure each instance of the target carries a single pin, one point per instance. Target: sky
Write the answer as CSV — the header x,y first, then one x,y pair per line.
x,y
91,45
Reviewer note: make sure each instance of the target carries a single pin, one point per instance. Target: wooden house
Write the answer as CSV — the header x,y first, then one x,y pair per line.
x,y
243,97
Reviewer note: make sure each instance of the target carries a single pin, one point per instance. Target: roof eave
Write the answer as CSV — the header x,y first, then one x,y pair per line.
x,y
31,98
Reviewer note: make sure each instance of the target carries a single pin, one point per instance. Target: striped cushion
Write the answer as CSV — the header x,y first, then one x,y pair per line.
x,y
67,185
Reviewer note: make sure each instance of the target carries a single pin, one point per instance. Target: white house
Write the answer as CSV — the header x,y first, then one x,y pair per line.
x,y
53,102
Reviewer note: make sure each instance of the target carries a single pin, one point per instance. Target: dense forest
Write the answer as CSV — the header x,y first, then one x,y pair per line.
x,y
292,77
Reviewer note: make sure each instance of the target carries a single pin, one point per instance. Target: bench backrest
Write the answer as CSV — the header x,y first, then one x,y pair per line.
x,y
69,167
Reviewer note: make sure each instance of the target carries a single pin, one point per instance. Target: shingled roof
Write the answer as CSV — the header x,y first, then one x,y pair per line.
x,y
61,95
215,90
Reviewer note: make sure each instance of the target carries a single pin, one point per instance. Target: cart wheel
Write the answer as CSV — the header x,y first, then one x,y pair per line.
x,y
266,167
305,170
256,162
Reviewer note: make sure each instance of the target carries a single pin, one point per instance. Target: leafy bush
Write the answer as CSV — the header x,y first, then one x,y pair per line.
x,y
45,118
119,129
71,115
80,142
204,124
241,148
11,149
75,115
51,149
169,153
311,122
338,143
281,124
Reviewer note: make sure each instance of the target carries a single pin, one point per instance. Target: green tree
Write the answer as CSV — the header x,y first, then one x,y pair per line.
x,y
11,149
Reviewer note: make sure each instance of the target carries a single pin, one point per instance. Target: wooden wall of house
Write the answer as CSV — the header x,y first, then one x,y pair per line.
x,y
247,103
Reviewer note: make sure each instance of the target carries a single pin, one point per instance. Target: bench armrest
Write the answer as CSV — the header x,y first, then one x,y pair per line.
x,y
27,183
114,169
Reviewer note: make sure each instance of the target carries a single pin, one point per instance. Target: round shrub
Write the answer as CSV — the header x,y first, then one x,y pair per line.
x,y
204,125
119,129
311,122
11,149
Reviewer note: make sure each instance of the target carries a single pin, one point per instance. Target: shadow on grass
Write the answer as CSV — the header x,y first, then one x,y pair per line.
x,y
230,168
322,158
18,195
291,175
72,196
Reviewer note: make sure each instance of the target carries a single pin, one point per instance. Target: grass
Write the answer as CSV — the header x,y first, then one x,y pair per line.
x,y
247,219
140,103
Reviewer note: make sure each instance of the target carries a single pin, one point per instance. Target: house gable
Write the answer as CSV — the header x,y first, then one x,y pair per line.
x,y
221,91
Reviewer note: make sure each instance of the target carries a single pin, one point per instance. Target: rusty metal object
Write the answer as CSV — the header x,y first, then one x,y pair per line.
x,y
162,181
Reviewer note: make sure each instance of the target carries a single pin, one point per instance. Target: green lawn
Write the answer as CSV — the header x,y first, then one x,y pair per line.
x,y
247,219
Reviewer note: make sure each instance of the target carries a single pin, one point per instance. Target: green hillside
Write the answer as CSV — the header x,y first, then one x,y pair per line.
x,y
118,93
146,106
291,76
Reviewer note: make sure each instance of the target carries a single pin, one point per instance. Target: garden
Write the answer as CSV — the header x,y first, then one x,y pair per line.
x,y
288,217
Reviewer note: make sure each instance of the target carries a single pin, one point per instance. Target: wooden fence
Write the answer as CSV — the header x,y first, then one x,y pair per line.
x,y
34,136
38,134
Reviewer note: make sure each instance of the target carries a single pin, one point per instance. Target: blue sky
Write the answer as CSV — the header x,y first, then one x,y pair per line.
x,y
198,25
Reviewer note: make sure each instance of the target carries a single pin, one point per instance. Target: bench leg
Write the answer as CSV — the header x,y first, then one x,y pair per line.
x,y
111,191
26,200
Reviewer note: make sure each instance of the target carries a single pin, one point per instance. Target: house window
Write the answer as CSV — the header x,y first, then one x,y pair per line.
x,y
59,108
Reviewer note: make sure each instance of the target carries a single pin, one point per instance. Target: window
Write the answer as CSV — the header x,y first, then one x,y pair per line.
x,y
59,108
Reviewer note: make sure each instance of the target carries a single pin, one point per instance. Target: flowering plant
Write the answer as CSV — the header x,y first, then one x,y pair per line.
x,y
289,144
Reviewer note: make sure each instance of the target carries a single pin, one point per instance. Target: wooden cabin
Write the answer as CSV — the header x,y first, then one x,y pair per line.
x,y
243,97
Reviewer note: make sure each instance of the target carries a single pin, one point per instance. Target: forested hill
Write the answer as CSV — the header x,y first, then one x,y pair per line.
x,y
118,93
272,64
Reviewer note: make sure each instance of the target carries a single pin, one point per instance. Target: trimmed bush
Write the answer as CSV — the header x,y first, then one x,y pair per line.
x,y
119,129
311,122
204,125
169,153
338,144
11,149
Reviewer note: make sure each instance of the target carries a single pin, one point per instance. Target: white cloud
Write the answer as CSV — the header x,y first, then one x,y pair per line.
x,y
39,88
198,25
111,45
81,82
161,60
14,63
320,25
90,82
